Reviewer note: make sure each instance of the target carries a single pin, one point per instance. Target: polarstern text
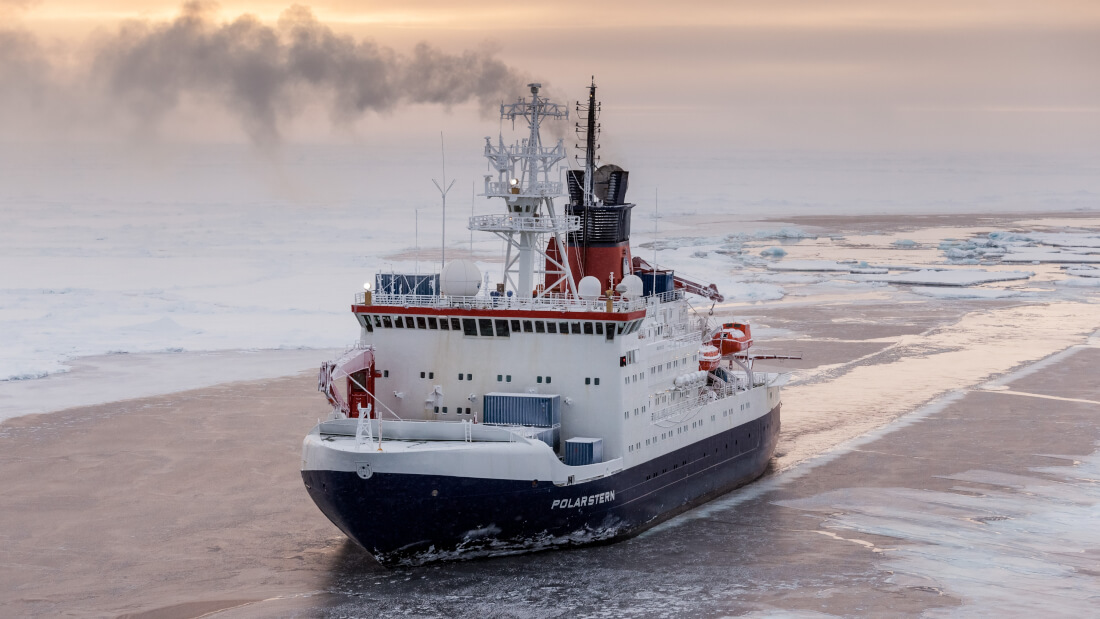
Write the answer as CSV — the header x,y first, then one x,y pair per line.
x,y
584,501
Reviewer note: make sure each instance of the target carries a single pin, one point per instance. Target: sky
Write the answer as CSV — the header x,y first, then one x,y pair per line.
x,y
981,78
1003,75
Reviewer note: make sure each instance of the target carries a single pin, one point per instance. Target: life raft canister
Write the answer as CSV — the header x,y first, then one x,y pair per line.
x,y
709,358
732,338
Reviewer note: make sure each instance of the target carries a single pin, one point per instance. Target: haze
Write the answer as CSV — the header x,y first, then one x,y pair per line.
x,y
954,78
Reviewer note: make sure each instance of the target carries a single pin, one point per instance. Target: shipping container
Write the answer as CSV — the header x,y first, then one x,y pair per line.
x,y
580,451
522,409
657,282
426,284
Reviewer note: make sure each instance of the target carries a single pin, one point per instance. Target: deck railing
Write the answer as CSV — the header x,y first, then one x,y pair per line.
x,y
549,302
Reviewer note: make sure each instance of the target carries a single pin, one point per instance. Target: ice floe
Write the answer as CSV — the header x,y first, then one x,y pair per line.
x,y
958,277
942,292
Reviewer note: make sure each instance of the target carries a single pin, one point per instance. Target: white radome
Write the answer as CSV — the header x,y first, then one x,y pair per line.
x,y
630,287
589,288
460,278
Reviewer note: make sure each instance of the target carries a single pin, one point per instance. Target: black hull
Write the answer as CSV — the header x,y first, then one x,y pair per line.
x,y
413,519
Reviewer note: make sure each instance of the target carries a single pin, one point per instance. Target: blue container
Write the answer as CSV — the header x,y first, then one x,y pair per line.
x,y
657,283
580,451
522,409
407,283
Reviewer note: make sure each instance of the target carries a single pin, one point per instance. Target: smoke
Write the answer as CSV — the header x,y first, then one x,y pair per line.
x,y
262,75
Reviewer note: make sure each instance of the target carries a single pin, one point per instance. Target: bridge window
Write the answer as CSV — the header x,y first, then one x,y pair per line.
x,y
432,323
540,327
502,328
469,326
454,324
610,331
398,323
576,328
588,328
421,322
551,327
563,328
444,324
515,326
486,326
599,328
527,327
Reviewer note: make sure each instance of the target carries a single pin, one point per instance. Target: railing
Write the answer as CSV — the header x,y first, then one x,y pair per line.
x,y
549,302
539,188
516,223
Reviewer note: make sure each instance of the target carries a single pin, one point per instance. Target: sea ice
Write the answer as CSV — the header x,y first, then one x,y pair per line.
x,y
964,293
774,252
960,277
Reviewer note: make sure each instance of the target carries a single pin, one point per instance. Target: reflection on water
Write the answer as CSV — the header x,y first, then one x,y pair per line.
x,y
844,402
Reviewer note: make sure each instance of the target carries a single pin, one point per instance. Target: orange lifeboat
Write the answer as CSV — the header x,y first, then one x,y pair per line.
x,y
709,358
732,338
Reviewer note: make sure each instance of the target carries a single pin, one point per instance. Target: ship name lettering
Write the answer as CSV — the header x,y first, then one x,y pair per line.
x,y
584,501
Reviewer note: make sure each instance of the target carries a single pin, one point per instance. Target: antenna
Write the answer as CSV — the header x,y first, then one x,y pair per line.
x,y
443,193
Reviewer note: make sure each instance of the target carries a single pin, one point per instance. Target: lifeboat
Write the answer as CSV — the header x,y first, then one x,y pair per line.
x,y
709,358
732,338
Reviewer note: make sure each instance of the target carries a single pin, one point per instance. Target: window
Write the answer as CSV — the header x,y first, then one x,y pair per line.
x,y
469,326
500,378
398,323
597,381
588,380
421,322
610,331
626,415
422,375
444,410
588,328
563,328
454,324
469,377
502,328
515,326
626,381
547,380
538,379
576,328
540,326
599,328
385,373
508,378
431,374
486,326
551,327
444,324
377,321
619,328
432,323
460,376
527,326
437,410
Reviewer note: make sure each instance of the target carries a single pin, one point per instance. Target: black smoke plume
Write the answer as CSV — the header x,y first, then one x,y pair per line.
x,y
261,74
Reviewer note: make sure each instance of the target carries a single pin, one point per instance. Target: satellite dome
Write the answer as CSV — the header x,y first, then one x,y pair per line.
x,y
630,287
589,288
460,278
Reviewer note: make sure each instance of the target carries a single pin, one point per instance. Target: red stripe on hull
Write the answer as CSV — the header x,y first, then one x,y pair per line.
x,y
496,313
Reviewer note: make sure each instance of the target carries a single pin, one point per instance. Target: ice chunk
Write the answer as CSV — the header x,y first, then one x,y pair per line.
x,y
809,265
959,277
774,252
964,293
905,243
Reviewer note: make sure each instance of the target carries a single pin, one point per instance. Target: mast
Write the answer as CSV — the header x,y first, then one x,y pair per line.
x,y
524,182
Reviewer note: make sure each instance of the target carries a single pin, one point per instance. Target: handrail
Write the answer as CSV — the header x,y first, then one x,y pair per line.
x,y
548,302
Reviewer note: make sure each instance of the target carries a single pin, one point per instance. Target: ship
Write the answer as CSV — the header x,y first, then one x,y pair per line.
x,y
580,400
